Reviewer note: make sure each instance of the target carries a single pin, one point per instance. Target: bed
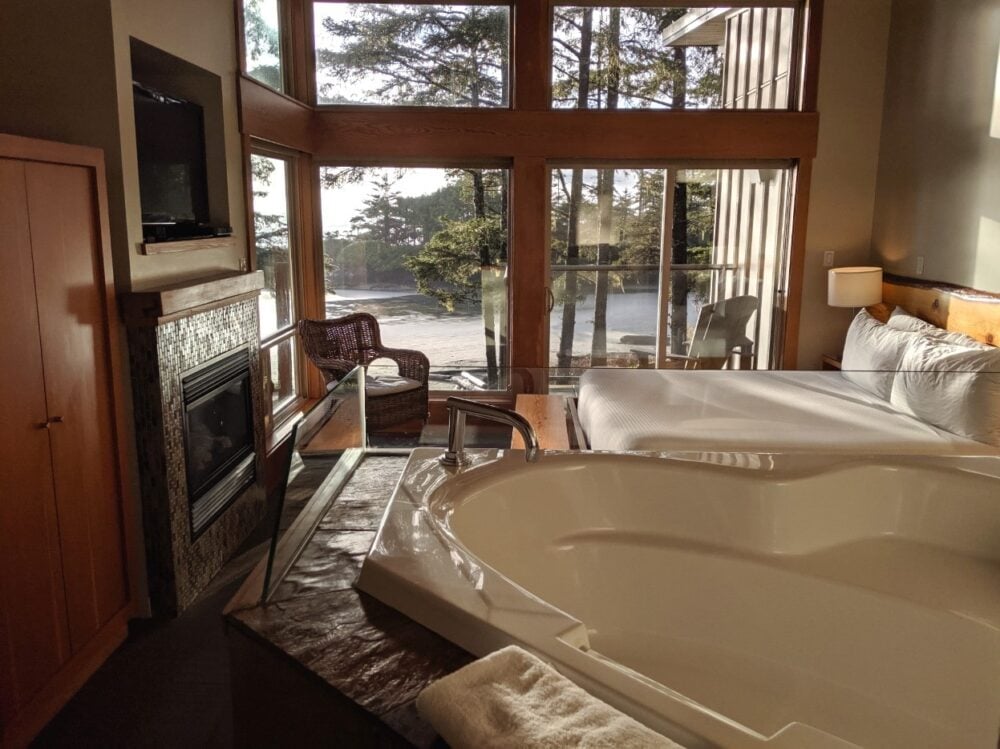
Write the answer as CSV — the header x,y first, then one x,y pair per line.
x,y
720,410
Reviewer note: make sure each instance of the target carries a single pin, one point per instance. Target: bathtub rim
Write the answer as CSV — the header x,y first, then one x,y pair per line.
x,y
687,721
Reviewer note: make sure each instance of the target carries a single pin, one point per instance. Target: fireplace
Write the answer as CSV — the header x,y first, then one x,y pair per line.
x,y
198,402
218,435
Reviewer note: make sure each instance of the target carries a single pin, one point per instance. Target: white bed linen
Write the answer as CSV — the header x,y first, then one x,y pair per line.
x,y
750,411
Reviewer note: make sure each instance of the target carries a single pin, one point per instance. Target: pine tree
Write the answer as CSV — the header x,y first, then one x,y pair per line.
x,y
416,54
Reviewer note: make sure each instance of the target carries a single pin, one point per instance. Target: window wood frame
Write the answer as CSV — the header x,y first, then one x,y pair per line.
x,y
529,136
286,47
304,275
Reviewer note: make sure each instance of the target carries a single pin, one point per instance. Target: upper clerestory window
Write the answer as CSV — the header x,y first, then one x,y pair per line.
x,y
262,42
440,55
673,57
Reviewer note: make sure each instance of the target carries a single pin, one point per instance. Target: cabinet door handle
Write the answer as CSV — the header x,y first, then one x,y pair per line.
x,y
49,423
42,425
56,420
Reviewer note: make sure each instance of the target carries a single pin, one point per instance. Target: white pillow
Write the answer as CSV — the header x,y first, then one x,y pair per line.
x,y
900,319
872,353
952,387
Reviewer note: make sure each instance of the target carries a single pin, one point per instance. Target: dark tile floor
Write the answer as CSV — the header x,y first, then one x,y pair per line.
x,y
168,685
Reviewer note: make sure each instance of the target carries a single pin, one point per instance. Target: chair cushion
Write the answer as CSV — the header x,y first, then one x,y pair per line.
x,y
379,385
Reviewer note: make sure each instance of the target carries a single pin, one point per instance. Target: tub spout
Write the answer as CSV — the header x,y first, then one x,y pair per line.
x,y
458,408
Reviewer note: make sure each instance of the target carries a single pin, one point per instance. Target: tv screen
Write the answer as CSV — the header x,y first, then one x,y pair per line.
x,y
170,140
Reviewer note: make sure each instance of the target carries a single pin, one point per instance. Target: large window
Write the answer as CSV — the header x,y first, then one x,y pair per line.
x,y
419,55
444,137
637,253
271,179
425,251
671,58
262,42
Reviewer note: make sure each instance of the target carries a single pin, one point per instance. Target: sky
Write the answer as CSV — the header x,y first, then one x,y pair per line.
x,y
340,205
346,201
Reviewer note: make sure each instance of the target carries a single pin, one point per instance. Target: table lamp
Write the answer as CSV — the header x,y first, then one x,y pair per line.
x,y
854,287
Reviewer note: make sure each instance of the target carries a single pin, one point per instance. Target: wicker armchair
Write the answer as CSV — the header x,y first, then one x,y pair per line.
x,y
337,346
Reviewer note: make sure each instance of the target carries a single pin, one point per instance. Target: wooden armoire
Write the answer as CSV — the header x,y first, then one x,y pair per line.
x,y
64,585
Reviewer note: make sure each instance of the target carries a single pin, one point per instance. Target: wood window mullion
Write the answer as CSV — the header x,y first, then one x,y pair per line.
x,y
531,71
529,271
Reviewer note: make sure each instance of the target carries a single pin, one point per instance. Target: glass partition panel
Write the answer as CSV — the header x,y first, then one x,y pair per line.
x,y
329,439
262,42
425,252
440,55
337,422
672,57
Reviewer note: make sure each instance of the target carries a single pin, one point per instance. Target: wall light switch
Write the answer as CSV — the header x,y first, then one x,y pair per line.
x,y
828,259
920,265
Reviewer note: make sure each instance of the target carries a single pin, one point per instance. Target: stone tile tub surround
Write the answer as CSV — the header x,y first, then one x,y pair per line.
x,y
358,662
161,351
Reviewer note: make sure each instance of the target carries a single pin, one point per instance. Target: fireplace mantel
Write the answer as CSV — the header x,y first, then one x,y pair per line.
x,y
163,304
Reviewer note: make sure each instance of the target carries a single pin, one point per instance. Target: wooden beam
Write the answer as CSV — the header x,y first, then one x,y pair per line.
x,y
529,266
531,74
310,275
297,48
273,117
345,135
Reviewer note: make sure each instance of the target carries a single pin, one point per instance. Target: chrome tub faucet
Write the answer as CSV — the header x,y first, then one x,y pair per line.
x,y
459,408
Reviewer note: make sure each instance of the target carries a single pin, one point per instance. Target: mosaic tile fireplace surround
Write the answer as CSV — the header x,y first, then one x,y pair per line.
x,y
172,333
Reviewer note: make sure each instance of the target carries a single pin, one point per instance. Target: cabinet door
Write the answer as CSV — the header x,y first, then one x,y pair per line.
x,y
69,282
34,636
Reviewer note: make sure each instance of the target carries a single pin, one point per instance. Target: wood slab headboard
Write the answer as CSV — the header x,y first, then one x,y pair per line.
x,y
975,313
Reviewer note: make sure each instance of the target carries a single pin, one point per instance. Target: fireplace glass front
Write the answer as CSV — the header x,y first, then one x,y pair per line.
x,y
218,435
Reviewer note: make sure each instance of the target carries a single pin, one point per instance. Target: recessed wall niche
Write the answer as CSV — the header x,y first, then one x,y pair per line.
x,y
181,148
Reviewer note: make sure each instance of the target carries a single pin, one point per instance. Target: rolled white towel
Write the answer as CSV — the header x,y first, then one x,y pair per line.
x,y
511,699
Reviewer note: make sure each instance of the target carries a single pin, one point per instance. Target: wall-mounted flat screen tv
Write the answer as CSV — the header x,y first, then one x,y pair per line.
x,y
170,139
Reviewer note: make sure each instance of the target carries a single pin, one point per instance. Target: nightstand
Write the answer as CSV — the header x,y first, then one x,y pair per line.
x,y
831,361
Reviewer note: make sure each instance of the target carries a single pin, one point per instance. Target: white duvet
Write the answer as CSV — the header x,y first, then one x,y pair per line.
x,y
750,411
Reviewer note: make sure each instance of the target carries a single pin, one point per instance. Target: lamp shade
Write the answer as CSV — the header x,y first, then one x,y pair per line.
x,y
854,287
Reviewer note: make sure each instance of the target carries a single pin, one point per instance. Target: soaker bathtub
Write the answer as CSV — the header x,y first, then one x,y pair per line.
x,y
734,600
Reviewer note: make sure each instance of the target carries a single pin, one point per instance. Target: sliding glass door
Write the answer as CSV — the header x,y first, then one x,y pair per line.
x,y
641,259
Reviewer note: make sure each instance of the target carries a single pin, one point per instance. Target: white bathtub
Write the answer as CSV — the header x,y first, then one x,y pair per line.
x,y
736,600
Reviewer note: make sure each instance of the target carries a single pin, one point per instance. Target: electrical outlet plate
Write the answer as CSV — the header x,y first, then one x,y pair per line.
x,y
828,259
920,265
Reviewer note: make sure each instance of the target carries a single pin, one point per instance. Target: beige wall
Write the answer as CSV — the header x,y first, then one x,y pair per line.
x,y
57,82
842,197
939,175
65,75
210,43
